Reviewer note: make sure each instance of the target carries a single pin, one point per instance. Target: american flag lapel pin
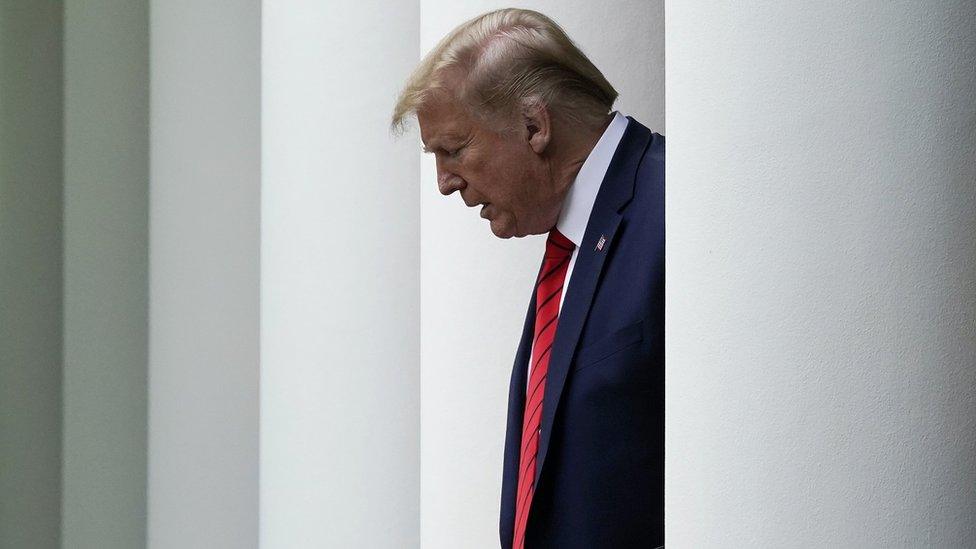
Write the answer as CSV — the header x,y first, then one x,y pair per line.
x,y
600,243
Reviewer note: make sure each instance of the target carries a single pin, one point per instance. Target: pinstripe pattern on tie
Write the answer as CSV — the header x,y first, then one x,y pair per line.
x,y
549,287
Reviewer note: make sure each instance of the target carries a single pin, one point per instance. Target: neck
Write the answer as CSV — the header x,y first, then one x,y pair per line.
x,y
577,149
569,150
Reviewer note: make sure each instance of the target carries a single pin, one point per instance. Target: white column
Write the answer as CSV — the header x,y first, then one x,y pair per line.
x,y
203,273
339,278
475,287
821,385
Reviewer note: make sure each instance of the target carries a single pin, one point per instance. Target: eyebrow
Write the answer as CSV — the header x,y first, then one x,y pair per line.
x,y
436,144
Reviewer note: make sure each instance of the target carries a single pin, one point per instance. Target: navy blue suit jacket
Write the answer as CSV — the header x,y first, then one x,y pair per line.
x,y
600,467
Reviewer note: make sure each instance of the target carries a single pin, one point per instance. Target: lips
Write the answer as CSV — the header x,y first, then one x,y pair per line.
x,y
484,211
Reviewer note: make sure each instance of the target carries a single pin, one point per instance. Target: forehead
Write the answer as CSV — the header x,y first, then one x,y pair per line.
x,y
441,122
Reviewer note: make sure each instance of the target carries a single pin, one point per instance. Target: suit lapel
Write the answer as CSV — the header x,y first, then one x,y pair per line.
x,y
513,434
615,191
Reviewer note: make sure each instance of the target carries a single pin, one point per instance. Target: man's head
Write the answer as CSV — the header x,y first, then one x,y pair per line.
x,y
510,108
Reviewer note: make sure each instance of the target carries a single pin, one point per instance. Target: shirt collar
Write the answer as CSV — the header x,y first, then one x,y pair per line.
x,y
578,204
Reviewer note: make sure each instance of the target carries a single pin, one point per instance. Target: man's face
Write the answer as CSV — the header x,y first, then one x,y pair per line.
x,y
499,171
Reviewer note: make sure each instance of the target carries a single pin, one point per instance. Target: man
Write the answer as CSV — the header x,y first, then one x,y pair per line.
x,y
519,122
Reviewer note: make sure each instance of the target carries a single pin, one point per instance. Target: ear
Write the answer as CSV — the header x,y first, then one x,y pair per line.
x,y
536,124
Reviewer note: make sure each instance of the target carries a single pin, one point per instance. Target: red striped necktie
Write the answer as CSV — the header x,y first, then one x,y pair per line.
x,y
549,287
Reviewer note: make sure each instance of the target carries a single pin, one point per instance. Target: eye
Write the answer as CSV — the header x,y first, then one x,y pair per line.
x,y
454,153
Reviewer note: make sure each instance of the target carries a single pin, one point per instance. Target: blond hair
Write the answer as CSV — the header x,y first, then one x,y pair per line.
x,y
492,63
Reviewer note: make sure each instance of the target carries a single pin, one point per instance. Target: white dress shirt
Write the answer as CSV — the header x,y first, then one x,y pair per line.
x,y
578,204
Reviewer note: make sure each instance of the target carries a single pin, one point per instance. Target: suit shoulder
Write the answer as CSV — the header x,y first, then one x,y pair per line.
x,y
655,150
652,161
655,145
649,179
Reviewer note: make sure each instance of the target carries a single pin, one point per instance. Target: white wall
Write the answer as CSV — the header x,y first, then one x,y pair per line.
x,y
339,278
475,288
204,212
821,386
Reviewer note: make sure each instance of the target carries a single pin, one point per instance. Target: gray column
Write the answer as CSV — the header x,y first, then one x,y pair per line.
x,y
106,177
31,199
204,212
821,307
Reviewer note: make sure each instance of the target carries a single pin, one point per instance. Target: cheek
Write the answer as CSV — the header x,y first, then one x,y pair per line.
x,y
482,163
512,177
502,175
481,175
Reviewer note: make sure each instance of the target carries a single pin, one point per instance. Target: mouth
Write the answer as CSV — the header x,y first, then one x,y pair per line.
x,y
484,211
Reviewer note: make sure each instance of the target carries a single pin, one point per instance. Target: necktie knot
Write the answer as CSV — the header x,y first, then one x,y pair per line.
x,y
558,246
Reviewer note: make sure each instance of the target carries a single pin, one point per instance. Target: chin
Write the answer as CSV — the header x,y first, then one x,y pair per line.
x,y
502,230
501,234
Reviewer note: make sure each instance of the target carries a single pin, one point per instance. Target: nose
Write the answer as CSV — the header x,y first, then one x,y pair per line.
x,y
448,182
